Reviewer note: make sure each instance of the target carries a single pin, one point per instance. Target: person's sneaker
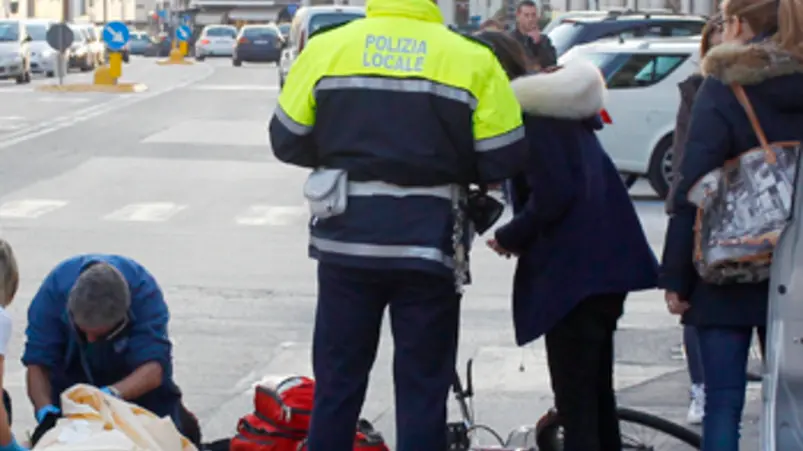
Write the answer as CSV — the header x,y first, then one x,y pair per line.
x,y
697,406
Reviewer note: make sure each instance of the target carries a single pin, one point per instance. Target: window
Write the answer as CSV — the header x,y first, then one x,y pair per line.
x,y
685,28
37,32
221,32
260,33
319,21
9,31
643,69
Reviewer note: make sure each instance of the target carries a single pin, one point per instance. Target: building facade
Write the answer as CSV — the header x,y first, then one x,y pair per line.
x,y
95,11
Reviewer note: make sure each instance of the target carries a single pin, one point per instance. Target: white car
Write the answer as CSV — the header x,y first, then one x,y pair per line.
x,y
643,99
44,60
216,40
307,21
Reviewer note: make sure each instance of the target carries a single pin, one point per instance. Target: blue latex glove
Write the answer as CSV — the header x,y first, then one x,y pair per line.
x,y
13,446
44,411
108,391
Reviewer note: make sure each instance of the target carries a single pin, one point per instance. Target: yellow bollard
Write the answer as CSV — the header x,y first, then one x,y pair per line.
x,y
176,56
183,47
116,64
103,76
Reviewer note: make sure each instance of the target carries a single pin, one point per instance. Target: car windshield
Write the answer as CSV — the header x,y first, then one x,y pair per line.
x,y
319,21
221,32
284,28
37,32
77,35
564,36
260,33
9,32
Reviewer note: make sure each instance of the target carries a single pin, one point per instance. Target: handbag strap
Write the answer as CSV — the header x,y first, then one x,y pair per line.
x,y
741,95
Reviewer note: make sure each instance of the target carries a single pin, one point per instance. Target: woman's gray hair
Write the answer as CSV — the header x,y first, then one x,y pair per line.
x,y
100,297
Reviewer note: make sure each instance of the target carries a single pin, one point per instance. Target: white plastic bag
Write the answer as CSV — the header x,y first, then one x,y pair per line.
x,y
95,421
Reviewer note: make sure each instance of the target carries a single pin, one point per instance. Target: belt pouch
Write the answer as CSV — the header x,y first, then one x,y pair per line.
x,y
326,191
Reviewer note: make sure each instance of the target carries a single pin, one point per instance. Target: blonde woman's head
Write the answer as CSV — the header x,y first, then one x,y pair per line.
x,y
9,274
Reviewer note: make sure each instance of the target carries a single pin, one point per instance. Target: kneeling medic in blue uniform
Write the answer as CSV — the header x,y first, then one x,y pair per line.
x,y
101,320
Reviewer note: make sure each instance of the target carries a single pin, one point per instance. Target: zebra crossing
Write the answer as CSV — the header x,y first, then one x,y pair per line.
x,y
180,193
153,212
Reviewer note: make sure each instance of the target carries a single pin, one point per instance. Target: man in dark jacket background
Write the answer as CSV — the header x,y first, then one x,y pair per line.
x,y
540,51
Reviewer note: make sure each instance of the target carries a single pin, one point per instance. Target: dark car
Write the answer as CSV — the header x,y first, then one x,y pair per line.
x,y
160,46
624,24
139,43
284,28
258,43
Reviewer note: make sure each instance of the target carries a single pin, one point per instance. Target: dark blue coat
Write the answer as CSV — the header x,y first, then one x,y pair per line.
x,y
53,342
719,131
575,228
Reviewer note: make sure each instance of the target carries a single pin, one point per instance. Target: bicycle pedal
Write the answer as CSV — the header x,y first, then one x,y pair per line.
x,y
457,437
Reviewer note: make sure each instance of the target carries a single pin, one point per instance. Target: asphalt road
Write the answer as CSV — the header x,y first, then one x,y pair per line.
x,y
181,178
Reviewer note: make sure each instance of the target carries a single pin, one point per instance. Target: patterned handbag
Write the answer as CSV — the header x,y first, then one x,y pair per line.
x,y
743,207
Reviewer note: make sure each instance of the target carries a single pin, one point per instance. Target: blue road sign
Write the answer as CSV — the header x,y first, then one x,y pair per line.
x,y
292,8
183,33
163,13
186,18
116,35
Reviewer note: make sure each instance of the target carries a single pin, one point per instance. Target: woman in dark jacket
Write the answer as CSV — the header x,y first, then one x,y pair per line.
x,y
579,242
712,35
770,68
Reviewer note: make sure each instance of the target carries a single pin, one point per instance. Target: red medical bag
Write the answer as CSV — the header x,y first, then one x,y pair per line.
x,y
257,434
286,402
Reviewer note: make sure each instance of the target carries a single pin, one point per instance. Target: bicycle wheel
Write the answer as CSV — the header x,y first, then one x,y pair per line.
x,y
640,431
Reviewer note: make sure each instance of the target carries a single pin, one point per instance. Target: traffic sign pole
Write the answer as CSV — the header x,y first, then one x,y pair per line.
x,y
116,64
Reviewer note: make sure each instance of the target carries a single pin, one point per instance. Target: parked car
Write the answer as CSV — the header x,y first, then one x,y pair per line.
x,y
95,44
558,18
139,43
258,44
643,98
622,24
81,56
216,40
308,20
44,60
284,28
15,56
160,45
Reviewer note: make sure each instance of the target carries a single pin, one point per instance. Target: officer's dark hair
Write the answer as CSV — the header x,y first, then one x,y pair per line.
x,y
526,3
508,51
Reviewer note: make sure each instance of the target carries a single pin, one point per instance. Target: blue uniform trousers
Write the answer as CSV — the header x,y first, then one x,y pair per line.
x,y
424,317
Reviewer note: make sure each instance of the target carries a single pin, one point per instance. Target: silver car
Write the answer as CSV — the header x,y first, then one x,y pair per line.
x,y
15,58
44,60
216,40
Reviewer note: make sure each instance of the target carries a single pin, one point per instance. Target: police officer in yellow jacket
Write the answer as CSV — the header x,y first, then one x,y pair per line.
x,y
396,115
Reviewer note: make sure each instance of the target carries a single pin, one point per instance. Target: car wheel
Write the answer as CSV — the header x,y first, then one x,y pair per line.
x,y
281,82
50,74
659,173
126,58
200,58
236,63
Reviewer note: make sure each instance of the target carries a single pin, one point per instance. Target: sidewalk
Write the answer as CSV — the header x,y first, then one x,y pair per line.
x,y
660,397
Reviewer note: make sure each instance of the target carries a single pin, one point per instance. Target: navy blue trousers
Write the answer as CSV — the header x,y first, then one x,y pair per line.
x,y
424,318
